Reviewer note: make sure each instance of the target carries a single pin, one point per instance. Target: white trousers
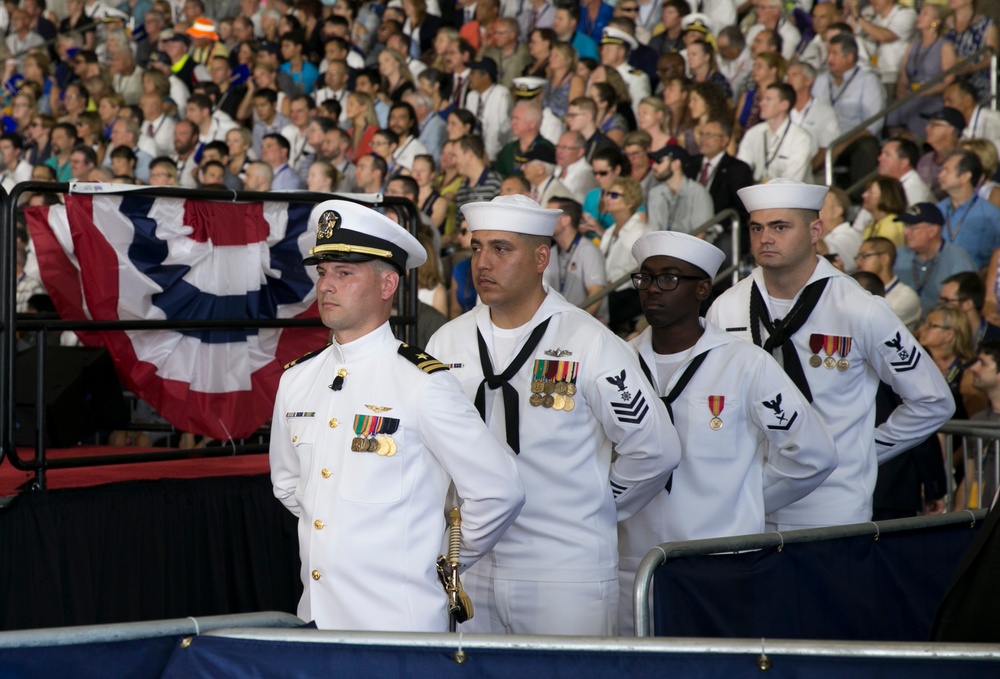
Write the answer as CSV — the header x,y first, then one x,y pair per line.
x,y
533,607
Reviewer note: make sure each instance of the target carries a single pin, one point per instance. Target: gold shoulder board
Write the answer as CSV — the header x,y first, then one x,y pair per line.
x,y
421,359
306,357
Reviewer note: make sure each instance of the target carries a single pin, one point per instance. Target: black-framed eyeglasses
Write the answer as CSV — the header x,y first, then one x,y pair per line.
x,y
664,281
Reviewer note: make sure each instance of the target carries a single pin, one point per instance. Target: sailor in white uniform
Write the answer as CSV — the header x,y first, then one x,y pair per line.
x,y
750,443
366,438
836,342
560,390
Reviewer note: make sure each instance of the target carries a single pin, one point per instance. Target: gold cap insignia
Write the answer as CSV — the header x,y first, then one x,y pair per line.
x,y
328,223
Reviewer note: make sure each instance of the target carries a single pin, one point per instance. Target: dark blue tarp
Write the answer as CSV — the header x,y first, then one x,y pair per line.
x,y
136,659
211,657
853,588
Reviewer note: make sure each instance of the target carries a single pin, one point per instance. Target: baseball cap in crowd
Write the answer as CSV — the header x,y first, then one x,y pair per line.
x,y
177,37
486,65
921,213
673,150
270,47
160,58
948,115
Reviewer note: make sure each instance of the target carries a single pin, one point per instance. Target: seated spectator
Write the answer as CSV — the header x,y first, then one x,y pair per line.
x,y
884,200
576,266
364,124
15,168
676,203
702,66
123,161
608,164
988,188
538,168
302,72
966,292
61,140
480,183
370,174
878,256
968,221
322,177
429,201
622,202
981,122
927,259
815,117
162,172
856,94
636,147
652,115
777,147
886,27
771,16
947,338
928,55
258,177
274,152
839,238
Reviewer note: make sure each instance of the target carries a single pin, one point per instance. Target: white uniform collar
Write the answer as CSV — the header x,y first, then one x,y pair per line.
x,y
376,341
553,304
712,337
823,270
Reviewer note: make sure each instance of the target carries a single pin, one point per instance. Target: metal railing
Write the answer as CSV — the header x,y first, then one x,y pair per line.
x,y
978,442
733,269
940,77
95,634
658,555
9,323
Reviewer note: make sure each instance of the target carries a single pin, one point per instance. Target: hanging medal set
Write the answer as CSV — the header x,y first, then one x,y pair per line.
x,y
831,345
553,385
374,435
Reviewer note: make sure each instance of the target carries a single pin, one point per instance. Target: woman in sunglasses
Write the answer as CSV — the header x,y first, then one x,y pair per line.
x,y
622,202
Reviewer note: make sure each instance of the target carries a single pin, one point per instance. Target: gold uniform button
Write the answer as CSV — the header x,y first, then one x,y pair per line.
x,y
294,439
318,523
334,422
316,575
325,473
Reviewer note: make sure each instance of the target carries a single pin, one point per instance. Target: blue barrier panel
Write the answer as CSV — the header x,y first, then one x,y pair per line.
x,y
853,588
210,657
133,659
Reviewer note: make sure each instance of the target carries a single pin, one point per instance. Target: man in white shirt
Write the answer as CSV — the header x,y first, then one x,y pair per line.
x,y
886,27
433,129
126,77
771,15
335,87
981,122
157,126
878,256
777,147
492,105
15,168
403,121
21,38
199,112
573,169
539,169
826,313
615,47
734,60
815,117
185,146
300,157
814,52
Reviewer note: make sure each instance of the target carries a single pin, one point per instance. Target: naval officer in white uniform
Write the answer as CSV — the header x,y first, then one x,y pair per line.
x,y
367,436
750,443
836,341
560,390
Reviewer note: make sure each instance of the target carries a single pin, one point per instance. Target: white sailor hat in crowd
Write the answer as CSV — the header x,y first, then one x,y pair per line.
x,y
698,22
783,193
518,214
616,36
528,86
692,250
349,232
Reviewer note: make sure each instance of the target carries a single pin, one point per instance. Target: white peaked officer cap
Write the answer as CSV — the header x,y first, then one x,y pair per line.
x,y
349,232
616,36
518,214
681,246
529,86
783,193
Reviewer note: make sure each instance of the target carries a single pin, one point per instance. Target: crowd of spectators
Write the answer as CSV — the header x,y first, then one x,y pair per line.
x,y
645,115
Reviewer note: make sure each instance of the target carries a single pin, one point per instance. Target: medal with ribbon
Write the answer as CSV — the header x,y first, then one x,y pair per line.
x,y
831,343
845,348
815,344
716,404
374,435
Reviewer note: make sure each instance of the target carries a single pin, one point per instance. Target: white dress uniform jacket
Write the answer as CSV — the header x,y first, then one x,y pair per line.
x,y
574,493
371,526
881,349
727,480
